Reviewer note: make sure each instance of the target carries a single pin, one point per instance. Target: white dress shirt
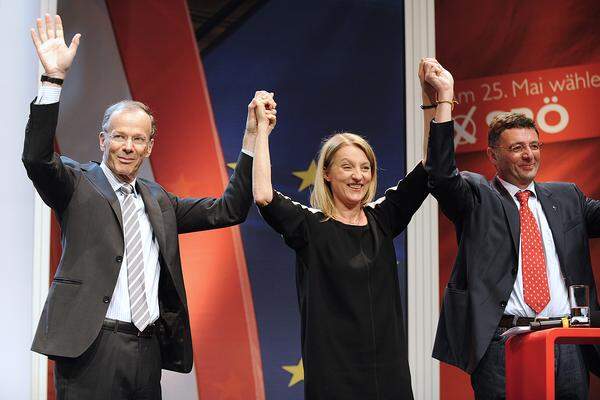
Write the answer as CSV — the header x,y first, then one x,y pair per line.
x,y
119,307
559,298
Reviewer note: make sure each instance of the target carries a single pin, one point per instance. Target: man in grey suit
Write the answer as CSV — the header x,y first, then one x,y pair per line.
x,y
116,312
521,243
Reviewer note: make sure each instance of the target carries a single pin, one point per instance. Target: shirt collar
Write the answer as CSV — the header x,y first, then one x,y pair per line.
x,y
513,190
114,181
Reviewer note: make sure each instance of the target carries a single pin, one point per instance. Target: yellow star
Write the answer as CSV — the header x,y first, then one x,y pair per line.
x,y
232,165
297,372
308,176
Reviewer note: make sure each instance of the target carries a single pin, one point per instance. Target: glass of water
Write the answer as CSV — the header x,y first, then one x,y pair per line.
x,y
579,299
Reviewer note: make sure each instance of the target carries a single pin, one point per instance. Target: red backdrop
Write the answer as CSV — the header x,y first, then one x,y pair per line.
x,y
481,39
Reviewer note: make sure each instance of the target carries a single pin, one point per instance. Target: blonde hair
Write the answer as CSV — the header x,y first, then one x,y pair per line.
x,y
321,196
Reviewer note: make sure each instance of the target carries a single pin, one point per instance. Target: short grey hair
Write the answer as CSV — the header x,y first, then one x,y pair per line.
x,y
128,105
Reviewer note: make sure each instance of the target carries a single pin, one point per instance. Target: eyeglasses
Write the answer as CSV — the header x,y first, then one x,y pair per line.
x,y
122,139
521,147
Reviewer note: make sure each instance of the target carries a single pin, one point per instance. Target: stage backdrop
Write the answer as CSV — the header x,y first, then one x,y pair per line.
x,y
334,65
541,58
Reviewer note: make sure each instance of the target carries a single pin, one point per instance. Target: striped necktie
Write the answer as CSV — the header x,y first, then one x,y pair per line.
x,y
140,315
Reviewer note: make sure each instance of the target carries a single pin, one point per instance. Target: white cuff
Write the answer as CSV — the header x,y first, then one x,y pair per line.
x,y
248,152
48,95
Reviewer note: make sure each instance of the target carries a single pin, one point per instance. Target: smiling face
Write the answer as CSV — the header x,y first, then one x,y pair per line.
x,y
518,168
349,176
122,147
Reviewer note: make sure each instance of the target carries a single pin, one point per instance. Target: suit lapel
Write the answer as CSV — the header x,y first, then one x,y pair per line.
x,y
551,211
154,213
100,182
512,213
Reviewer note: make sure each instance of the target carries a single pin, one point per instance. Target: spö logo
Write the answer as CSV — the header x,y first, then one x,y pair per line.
x,y
551,118
558,100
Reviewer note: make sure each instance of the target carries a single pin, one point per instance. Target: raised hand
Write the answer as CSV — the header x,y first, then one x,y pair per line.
x,y
267,117
269,105
429,93
51,48
264,118
436,81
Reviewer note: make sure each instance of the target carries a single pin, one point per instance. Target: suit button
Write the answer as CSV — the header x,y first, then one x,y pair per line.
x,y
514,271
502,304
106,299
119,259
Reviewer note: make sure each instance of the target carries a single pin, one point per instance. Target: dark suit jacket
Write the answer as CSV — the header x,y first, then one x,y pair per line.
x,y
488,233
92,243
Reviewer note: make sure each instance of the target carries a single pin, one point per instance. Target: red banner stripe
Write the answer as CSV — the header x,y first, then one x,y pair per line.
x,y
164,70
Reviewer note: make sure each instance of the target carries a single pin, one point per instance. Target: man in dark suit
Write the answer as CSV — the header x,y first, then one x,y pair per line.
x,y
116,312
521,244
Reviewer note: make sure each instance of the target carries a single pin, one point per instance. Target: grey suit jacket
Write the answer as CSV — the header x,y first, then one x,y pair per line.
x,y
488,233
89,215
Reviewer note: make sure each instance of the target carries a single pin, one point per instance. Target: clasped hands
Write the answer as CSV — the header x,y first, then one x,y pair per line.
x,y
436,82
262,113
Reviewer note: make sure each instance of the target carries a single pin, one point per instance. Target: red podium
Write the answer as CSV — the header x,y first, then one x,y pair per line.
x,y
530,360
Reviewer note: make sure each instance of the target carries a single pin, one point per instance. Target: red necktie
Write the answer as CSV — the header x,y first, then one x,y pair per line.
x,y
535,278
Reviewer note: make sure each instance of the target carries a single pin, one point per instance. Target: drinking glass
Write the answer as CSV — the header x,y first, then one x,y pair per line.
x,y
579,299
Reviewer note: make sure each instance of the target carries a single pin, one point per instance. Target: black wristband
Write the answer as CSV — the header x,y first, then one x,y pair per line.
x,y
57,81
427,107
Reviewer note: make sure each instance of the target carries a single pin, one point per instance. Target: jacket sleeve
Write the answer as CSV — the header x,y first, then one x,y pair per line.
x,y
591,213
53,180
395,209
197,214
455,195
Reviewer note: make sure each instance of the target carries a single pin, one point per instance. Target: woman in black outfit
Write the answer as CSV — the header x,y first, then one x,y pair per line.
x,y
353,340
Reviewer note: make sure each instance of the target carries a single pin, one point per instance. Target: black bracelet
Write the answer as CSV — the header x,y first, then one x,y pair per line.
x,y
57,81
427,107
